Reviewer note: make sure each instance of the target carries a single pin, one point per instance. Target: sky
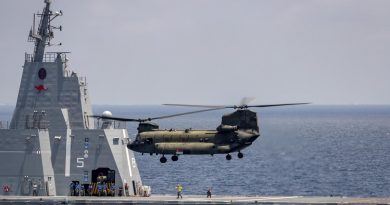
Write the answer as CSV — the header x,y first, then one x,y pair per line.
x,y
138,52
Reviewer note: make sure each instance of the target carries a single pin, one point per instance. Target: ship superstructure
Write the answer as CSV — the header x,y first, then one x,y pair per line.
x,y
52,144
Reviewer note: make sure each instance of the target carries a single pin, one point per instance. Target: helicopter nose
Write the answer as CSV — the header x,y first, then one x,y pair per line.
x,y
131,146
252,139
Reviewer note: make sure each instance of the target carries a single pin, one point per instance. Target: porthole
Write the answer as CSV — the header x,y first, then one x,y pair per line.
x,y
42,73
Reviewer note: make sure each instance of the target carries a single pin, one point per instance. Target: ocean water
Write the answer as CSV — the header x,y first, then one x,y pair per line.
x,y
308,150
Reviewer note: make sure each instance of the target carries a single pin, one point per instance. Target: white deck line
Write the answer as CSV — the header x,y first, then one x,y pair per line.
x,y
267,198
67,152
47,165
68,144
127,155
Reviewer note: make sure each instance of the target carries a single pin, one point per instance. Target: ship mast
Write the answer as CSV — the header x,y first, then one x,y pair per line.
x,y
45,31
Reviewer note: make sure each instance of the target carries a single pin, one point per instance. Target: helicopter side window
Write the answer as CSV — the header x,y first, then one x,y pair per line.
x,y
201,140
206,139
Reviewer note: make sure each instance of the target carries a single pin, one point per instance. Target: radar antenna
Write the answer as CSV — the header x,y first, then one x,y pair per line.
x,y
45,31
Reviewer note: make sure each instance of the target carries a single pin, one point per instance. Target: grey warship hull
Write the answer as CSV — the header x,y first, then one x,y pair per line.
x,y
53,159
52,144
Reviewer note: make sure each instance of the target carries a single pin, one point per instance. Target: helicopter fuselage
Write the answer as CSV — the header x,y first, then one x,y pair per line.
x,y
237,131
179,142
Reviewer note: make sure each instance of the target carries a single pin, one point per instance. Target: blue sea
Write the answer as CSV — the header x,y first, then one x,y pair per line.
x,y
308,150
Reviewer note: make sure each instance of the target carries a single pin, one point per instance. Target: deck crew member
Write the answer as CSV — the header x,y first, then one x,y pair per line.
x,y
112,189
209,193
78,189
35,189
179,189
100,189
72,188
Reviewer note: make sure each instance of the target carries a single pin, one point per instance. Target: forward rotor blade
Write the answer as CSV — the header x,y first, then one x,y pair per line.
x,y
186,113
203,106
117,118
153,118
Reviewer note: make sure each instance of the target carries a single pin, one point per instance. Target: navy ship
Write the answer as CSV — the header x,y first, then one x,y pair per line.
x,y
51,143
52,147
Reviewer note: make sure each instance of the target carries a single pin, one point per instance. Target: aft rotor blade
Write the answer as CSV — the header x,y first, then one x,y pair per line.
x,y
246,100
234,106
185,113
273,105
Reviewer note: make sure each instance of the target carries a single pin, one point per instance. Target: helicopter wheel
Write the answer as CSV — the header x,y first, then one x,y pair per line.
x,y
228,157
163,159
174,158
240,155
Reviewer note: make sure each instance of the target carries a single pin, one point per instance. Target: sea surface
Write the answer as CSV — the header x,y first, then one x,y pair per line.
x,y
308,150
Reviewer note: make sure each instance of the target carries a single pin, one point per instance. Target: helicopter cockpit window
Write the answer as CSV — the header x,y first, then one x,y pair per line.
x,y
149,141
206,139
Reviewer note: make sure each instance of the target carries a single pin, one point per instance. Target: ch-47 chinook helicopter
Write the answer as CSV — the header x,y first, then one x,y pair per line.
x,y
237,131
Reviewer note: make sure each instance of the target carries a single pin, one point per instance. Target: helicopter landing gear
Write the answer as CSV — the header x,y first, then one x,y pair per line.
x,y
240,155
163,159
174,158
228,157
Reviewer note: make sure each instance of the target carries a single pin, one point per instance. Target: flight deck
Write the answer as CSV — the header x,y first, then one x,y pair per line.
x,y
192,199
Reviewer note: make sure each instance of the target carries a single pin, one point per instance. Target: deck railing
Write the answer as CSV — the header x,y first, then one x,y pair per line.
x,y
48,57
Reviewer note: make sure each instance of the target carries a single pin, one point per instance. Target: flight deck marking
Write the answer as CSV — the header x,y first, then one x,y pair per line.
x,y
127,156
267,198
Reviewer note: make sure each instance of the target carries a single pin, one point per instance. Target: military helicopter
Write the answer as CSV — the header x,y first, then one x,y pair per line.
x,y
237,131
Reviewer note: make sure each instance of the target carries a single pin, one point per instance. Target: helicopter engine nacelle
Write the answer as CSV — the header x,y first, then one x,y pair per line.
x,y
227,128
147,126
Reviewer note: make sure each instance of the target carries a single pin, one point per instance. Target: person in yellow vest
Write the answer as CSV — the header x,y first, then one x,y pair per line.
x,y
179,189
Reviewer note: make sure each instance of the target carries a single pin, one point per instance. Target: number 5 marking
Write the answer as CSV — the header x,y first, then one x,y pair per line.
x,y
80,162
